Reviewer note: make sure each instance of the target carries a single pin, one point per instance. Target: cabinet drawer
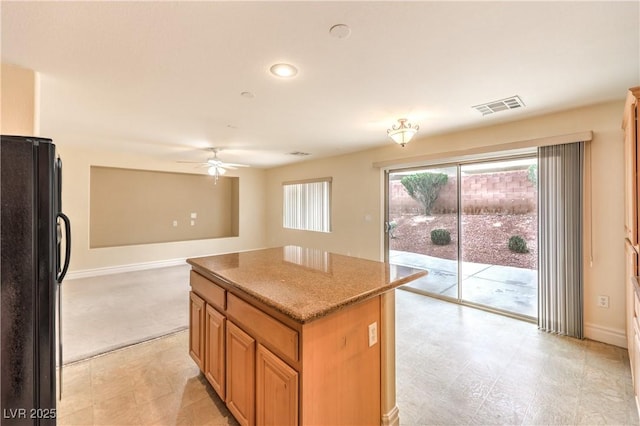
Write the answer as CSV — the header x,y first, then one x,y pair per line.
x,y
264,327
212,293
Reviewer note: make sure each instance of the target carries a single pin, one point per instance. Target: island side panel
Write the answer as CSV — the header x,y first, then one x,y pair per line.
x,y
390,412
341,373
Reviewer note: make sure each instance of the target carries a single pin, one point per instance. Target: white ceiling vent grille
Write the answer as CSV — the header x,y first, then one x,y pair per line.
x,y
501,105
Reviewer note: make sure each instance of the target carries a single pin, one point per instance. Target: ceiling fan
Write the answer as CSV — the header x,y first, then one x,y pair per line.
x,y
215,166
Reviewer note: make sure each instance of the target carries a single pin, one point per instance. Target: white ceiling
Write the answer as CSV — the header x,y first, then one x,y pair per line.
x,y
164,78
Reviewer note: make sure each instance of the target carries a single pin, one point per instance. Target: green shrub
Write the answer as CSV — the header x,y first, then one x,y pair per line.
x,y
518,244
532,174
440,237
424,188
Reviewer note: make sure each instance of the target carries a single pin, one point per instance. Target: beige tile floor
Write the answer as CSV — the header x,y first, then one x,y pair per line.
x,y
455,365
152,383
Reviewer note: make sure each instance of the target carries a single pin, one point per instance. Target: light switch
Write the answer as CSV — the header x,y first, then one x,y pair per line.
x,y
175,223
194,215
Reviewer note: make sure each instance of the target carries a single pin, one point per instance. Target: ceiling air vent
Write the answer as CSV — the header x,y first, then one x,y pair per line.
x,y
501,105
299,153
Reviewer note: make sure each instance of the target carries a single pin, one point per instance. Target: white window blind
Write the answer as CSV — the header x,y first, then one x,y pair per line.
x,y
307,205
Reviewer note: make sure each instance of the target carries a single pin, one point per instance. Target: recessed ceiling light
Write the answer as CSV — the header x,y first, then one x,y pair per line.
x,y
284,70
340,31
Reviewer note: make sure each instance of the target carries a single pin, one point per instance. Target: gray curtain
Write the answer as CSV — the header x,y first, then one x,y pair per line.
x,y
560,289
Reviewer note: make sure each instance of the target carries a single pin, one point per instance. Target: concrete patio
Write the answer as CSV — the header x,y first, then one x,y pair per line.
x,y
501,287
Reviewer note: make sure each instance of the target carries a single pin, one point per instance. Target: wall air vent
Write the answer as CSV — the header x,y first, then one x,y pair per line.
x,y
299,153
501,105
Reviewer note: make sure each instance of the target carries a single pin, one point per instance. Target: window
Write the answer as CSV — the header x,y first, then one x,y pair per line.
x,y
307,205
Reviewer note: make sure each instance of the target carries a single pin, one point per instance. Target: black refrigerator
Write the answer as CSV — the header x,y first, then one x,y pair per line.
x,y
35,252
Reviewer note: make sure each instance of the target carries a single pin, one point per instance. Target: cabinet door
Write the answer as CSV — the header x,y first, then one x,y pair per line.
x,y
635,140
631,261
241,356
636,361
214,353
196,329
631,165
276,390
630,178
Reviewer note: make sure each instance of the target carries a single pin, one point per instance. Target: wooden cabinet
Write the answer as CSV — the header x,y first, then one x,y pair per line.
x,y
207,331
341,368
214,358
228,355
272,370
631,262
631,156
241,350
636,360
196,328
276,390
631,229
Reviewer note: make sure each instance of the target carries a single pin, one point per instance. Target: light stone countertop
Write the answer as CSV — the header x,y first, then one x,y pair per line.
x,y
302,283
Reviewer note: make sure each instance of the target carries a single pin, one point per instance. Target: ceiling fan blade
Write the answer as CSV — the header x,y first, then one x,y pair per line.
x,y
235,165
214,161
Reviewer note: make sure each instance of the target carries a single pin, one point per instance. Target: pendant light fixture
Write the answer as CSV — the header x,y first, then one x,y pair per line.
x,y
402,132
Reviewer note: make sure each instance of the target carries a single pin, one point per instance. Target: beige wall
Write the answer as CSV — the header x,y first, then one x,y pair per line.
x,y
358,199
75,203
18,106
131,206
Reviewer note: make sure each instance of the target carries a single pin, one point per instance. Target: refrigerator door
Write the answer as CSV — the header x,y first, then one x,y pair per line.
x,y
27,270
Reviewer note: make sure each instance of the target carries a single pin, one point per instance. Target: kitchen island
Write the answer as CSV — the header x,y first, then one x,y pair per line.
x,y
291,335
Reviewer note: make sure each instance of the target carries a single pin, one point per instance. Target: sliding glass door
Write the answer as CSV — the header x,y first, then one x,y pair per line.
x,y
422,226
499,235
473,226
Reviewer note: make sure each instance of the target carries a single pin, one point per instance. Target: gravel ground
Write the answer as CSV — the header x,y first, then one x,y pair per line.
x,y
485,237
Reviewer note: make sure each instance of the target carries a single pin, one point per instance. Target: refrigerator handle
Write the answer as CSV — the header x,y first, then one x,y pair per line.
x,y
67,246
59,277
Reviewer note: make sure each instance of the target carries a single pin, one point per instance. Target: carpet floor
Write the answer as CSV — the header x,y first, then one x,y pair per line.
x,y
103,313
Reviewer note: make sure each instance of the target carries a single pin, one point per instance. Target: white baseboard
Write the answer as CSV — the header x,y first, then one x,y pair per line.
x,y
86,273
612,336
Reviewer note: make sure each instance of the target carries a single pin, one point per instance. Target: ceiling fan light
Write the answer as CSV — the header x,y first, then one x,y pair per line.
x,y
216,171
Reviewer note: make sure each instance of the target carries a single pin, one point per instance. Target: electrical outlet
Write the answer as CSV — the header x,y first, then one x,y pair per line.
x,y
603,301
373,333
175,223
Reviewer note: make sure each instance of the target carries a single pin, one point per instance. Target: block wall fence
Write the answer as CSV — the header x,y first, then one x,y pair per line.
x,y
509,192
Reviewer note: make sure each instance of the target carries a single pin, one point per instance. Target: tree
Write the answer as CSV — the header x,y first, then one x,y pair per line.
x,y
424,188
